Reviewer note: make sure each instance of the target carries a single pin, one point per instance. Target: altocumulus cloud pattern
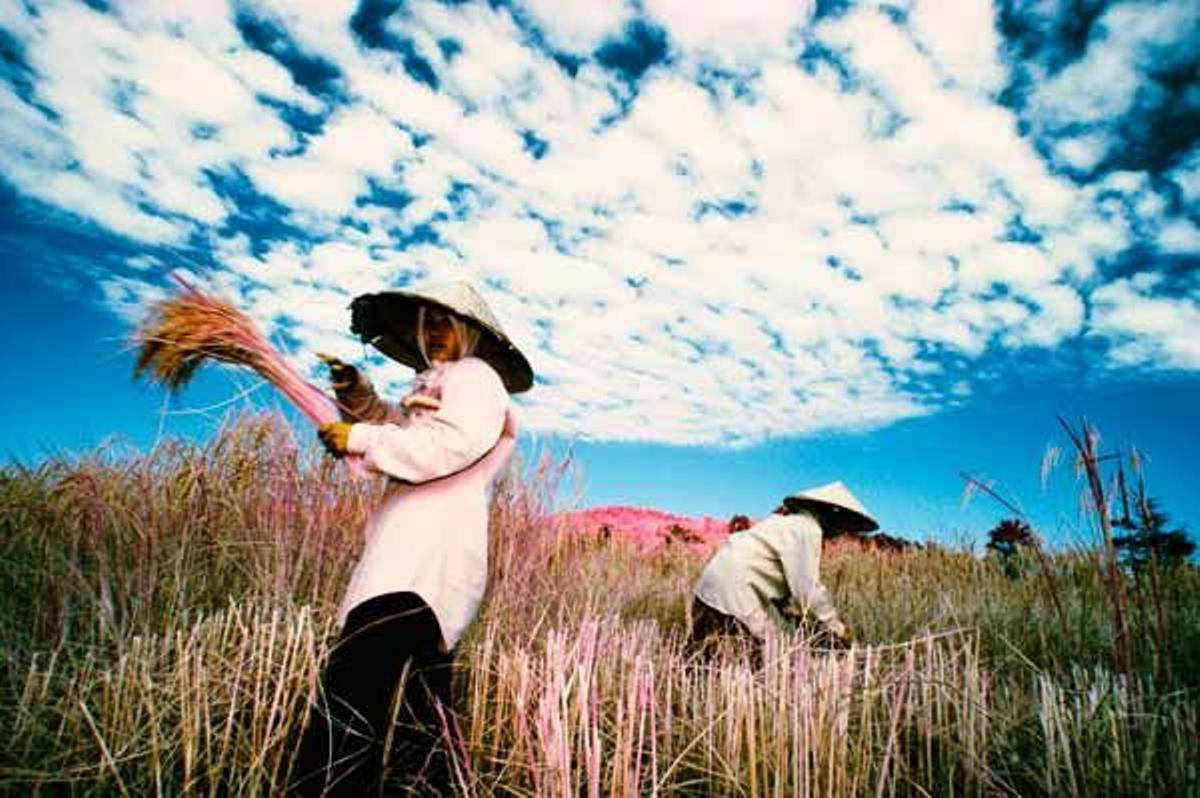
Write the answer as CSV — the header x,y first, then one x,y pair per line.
x,y
766,219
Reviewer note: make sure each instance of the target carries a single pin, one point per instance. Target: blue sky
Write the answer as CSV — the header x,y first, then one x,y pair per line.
x,y
747,247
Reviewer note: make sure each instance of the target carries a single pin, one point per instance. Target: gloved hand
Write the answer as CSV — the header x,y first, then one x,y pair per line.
x,y
842,641
336,437
830,640
341,374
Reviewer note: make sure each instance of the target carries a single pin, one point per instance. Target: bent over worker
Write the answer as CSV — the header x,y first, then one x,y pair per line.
x,y
423,569
765,578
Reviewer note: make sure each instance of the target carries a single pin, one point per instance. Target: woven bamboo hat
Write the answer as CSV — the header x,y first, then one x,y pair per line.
x,y
850,514
388,321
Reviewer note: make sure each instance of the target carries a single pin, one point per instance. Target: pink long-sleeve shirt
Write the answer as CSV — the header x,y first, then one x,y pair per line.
x,y
430,534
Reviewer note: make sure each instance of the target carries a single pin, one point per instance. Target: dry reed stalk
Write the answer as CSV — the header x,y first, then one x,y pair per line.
x,y
619,706
1086,443
182,332
193,696
207,711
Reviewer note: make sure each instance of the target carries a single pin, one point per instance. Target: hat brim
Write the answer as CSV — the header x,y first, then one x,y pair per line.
x,y
848,520
388,322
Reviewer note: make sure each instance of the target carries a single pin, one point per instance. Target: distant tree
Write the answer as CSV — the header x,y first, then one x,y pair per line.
x,y
1009,542
678,533
877,541
739,523
1148,539
885,542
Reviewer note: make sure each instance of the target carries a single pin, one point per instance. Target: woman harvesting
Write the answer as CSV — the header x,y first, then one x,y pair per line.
x,y
424,565
763,579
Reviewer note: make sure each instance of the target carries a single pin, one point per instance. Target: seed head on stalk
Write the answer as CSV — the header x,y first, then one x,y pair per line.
x,y
183,331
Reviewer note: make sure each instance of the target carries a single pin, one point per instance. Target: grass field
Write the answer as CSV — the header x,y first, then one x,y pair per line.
x,y
164,616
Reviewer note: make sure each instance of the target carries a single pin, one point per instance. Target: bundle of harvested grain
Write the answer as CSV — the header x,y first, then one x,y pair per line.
x,y
182,331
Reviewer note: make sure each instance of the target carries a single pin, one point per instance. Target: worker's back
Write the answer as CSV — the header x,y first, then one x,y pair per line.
x,y
749,573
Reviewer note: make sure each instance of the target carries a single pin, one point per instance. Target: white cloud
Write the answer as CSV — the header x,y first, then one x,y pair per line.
x,y
361,140
33,145
1019,266
334,169
1187,176
1179,237
962,38
18,20
739,31
939,232
578,27
308,185
127,298
1147,329
1082,153
170,71
1129,42
700,270
493,66
1060,315
126,117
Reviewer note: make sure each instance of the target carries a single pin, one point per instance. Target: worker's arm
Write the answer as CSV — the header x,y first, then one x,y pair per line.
x,y
799,547
356,397
762,620
468,423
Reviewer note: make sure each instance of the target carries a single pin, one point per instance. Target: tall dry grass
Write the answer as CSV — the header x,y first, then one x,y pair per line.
x,y
165,615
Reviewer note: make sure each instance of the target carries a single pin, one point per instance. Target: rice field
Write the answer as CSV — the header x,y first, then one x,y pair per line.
x,y
165,614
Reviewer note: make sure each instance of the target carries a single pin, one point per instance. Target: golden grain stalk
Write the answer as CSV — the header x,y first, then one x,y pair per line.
x,y
183,331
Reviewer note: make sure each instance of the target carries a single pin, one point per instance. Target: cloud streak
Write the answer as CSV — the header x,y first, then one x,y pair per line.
x,y
820,221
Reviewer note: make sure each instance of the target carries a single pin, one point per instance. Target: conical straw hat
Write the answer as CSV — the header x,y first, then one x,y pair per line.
x,y
388,321
852,516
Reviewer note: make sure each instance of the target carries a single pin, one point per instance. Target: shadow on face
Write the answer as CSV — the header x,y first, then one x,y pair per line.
x,y
439,335
834,521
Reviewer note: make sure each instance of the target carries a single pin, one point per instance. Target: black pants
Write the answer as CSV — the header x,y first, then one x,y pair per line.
x,y
710,627
387,665
709,623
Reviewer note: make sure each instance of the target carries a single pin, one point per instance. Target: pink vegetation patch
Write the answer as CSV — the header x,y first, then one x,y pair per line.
x,y
644,527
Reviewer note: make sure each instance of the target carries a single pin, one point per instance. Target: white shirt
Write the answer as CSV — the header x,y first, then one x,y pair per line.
x,y
776,560
431,537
